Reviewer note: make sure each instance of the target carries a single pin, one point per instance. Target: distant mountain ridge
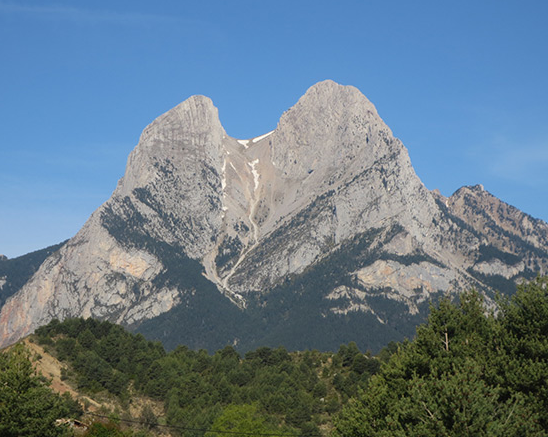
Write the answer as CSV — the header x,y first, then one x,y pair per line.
x,y
15,272
312,235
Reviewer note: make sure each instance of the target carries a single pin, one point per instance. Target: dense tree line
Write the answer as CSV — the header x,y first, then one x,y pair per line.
x,y
467,373
28,407
268,388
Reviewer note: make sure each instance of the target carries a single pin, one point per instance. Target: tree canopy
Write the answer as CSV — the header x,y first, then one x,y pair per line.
x,y
28,407
467,373
294,391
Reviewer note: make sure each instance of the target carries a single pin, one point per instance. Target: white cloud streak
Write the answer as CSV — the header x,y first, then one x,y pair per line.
x,y
524,162
63,13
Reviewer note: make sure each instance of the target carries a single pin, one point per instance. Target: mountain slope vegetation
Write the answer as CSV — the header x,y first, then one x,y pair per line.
x,y
466,372
296,392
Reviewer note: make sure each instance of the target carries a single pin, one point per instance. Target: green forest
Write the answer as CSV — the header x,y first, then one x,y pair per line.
x,y
472,369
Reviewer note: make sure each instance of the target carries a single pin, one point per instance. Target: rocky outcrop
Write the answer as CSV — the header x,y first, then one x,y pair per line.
x,y
329,190
508,243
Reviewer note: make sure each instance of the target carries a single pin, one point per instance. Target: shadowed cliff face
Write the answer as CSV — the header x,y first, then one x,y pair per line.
x,y
329,190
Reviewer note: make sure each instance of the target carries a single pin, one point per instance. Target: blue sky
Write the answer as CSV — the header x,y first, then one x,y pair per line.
x,y
462,84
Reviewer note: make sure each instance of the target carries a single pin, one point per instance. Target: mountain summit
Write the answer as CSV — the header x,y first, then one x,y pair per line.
x,y
311,235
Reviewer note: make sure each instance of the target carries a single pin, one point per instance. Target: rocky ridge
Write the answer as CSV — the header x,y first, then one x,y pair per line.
x,y
330,189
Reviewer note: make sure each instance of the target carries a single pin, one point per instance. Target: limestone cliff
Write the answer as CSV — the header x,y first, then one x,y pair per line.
x,y
259,220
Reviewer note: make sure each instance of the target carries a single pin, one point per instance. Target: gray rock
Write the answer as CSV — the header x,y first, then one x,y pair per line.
x,y
256,212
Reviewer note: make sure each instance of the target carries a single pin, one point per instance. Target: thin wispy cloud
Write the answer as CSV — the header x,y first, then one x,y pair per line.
x,y
524,162
526,165
64,13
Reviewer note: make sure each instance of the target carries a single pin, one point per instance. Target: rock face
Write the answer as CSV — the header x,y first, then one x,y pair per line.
x,y
324,215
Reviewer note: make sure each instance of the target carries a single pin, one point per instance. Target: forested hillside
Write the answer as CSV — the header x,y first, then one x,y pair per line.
x,y
467,372
296,393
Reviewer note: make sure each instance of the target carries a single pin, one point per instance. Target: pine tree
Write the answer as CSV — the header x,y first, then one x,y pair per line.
x,y
447,382
28,407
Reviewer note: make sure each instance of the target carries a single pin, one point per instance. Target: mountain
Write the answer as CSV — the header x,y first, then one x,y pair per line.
x,y
312,235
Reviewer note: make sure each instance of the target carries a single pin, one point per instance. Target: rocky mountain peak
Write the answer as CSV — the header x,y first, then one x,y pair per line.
x,y
328,96
323,216
331,133
506,223
474,190
190,129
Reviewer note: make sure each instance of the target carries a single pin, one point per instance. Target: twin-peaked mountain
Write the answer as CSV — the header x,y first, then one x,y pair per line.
x,y
311,235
